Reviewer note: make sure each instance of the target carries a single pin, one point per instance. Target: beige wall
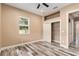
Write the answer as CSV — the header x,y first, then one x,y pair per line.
x,y
64,23
10,18
0,25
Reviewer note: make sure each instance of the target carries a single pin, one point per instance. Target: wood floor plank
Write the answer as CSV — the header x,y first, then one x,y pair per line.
x,y
41,48
23,51
56,48
35,51
56,52
47,50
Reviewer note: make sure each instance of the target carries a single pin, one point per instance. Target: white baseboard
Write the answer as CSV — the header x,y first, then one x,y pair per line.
x,y
18,45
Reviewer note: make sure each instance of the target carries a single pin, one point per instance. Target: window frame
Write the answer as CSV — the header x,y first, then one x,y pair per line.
x,y
28,31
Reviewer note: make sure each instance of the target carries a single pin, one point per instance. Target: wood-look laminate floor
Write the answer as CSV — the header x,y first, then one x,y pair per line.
x,y
36,49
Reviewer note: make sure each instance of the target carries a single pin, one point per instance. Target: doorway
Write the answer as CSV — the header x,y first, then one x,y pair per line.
x,y
74,30
55,32
77,32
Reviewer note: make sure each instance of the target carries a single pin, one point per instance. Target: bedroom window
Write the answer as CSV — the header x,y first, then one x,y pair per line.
x,y
24,25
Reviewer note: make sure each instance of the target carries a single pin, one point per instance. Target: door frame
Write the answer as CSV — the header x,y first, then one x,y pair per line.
x,y
51,30
67,16
49,21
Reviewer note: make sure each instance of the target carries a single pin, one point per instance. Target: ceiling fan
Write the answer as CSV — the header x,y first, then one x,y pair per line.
x,y
45,4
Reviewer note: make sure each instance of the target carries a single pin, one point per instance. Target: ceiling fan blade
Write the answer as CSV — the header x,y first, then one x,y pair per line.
x,y
45,4
38,6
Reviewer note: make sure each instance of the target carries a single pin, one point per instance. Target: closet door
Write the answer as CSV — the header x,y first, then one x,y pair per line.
x,y
55,29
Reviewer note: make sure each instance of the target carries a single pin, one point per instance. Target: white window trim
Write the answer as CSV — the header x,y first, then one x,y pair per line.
x,y
25,25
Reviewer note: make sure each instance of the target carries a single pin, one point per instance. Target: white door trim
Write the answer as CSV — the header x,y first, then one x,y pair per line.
x,y
67,16
47,37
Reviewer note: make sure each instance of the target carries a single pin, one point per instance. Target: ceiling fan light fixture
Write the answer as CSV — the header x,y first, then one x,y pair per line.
x,y
45,4
38,6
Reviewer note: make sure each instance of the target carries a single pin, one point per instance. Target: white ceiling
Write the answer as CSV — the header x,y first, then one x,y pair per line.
x,y
42,11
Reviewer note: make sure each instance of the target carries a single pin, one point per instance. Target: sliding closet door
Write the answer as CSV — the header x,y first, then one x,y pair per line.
x,y
55,31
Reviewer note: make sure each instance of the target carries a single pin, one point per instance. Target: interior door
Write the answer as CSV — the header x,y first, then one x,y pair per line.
x,y
55,31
